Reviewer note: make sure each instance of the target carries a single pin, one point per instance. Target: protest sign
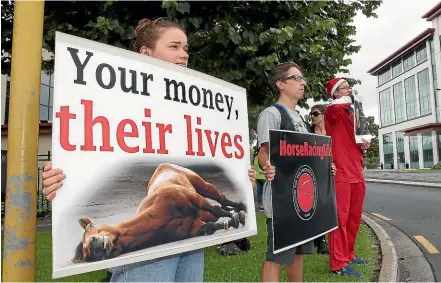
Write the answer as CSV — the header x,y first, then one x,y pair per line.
x,y
155,156
303,195
361,130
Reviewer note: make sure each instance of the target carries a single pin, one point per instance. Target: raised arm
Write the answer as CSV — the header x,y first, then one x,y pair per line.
x,y
334,111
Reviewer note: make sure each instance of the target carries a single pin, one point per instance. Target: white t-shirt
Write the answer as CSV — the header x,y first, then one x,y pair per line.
x,y
270,118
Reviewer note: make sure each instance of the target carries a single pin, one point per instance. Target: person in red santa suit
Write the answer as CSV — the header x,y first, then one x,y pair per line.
x,y
350,186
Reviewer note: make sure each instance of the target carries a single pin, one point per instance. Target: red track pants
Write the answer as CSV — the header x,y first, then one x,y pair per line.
x,y
349,198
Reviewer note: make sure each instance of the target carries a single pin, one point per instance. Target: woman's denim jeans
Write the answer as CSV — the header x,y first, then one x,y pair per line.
x,y
185,267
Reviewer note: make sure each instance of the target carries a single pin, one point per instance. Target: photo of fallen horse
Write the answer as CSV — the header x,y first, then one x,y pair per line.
x,y
176,206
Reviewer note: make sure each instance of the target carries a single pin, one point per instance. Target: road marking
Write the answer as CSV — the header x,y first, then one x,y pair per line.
x,y
429,247
381,216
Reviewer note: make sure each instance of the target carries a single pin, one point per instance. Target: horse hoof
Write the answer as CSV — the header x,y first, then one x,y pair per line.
x,y
235,220
240,207
242,218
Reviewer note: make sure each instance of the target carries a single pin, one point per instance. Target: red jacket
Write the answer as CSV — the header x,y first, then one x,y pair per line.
x,y
346,154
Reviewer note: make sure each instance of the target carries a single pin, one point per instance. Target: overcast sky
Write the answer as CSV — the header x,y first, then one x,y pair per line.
x,y
398,22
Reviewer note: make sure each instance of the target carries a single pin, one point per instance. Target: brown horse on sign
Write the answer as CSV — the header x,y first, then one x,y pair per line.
x,y
174,209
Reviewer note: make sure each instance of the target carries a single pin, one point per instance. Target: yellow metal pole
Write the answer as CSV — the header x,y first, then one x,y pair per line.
x,y
19,252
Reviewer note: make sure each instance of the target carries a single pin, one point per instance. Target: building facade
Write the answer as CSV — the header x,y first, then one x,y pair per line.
x,y
408,93
46,102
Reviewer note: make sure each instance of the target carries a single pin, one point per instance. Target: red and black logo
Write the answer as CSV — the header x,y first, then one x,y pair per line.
x,y
305,193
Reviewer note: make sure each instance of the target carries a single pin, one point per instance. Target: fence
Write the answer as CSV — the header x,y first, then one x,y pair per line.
x,y
43,205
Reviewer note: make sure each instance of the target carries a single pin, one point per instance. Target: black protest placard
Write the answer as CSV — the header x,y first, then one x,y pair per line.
x,y
303,197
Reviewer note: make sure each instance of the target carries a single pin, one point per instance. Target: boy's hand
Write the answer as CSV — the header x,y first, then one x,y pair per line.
x,y
269,171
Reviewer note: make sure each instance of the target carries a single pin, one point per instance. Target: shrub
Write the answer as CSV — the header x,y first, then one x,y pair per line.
x,y
437,166
372,162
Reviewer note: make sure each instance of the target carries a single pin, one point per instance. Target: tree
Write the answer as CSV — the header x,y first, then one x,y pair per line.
x,y
7,17
373,130
239,42
308,119
372,158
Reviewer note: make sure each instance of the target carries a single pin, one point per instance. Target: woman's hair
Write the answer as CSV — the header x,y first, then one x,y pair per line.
x,y
319,107
148,31
281,70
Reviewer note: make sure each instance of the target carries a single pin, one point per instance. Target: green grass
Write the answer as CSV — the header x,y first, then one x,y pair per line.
x,y
239,268
420,170
247,267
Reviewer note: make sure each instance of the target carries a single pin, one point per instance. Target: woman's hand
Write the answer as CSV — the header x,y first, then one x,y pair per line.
x,y
252,175
269,171
333,169
52,180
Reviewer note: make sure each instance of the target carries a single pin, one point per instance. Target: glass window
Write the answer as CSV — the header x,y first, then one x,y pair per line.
x,y
44,95
435,78
385,76
45,78
397,69
46,92
401,160
388,151
398,102
427,150
414,157
411,100
424,92
386,107
44,112
52,80
421,53
46,101
409,61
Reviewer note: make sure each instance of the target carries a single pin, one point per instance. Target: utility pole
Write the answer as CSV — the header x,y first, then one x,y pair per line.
x,y
19,254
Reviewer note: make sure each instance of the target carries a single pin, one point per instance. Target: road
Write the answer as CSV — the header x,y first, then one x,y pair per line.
x,y
416,211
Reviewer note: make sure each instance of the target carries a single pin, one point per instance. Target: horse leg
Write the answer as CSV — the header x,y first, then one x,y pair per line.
x,y
208,190
209,212
201,228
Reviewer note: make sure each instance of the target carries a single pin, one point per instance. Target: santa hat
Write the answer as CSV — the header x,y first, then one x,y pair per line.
x,y
332,85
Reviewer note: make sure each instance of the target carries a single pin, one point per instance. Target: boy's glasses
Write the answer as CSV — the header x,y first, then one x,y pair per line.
x,y
295,77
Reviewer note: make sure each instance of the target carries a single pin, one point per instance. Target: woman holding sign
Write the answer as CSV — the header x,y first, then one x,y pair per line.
x,y
165,40
318,127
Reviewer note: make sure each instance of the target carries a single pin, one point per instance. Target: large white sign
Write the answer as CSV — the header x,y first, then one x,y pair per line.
x,y
155,156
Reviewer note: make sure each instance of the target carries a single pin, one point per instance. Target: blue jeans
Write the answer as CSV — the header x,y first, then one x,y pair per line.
x,y
259,184
185,267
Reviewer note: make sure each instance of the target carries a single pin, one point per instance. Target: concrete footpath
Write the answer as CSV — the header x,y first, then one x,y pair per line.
x,y
422,179
389,258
